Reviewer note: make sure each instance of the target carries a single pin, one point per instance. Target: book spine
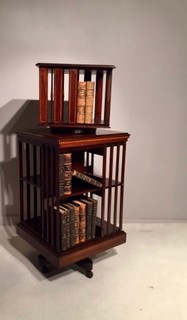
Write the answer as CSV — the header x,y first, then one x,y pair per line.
x,y
86,178
67,173
82,220
94,216
61,174
68,228
88,218
76,225
81,102
82,225
63,230
71,223
89,101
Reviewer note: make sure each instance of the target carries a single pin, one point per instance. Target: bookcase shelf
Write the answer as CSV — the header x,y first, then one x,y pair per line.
x,y
39,154
58,94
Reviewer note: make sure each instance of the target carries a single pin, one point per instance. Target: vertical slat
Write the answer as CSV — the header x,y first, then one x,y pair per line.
x,y
50,111
58,219
87,160
103,191
20,146
73,80
58,95
52,163
35,180
47,192
42,173
108,97
87,75
92,162
43,94
98,96
116,186
28,181
110,189
122,187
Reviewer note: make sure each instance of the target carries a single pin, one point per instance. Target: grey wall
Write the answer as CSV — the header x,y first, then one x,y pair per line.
x,y
146,40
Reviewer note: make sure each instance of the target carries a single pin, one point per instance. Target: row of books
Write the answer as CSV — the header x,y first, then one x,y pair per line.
x,y
66,172
78,221
85,101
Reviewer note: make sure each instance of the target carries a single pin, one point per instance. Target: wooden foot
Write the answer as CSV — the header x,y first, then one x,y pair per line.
x,y
85,266
43,264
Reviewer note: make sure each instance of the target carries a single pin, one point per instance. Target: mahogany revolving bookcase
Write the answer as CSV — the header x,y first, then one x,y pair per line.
x,y
67,218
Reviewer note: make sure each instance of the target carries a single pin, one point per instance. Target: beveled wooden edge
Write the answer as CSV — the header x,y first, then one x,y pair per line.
x,y
74,65
82,140
73,255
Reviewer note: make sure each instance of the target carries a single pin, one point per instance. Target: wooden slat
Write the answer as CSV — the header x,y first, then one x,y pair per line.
x,y
35,180
58,220
122,187
28,202
103,191
47,193
108,97
110,189
116,187
58,95
98,96
52,163
43,95
73,80
42,173
20,144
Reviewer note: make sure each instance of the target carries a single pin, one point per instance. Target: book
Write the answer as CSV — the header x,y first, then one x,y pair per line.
x,y
63,227
76,221
65,174
94,214
82,220
71,222
67,226
86,178
89,101
81,101
89,210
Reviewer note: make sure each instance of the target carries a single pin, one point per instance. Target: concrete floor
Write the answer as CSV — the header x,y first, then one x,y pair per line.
x,y
146,278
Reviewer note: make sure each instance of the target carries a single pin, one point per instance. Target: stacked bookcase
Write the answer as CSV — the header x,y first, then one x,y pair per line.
x,y
71,173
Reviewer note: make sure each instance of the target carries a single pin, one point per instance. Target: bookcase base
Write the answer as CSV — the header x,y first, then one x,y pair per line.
x,y
74,255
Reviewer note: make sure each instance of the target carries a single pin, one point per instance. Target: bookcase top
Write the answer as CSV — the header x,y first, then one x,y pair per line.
x,y
58,140
75,66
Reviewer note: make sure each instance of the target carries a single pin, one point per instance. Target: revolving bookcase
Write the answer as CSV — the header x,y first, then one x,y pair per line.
x,y
97,154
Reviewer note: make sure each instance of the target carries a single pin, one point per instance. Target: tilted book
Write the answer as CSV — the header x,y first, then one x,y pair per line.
x,y
86,178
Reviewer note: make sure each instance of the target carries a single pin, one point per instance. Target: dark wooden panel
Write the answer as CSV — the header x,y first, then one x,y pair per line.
x,y
75,66
98,96
43,95
73,80
58,95
108,97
